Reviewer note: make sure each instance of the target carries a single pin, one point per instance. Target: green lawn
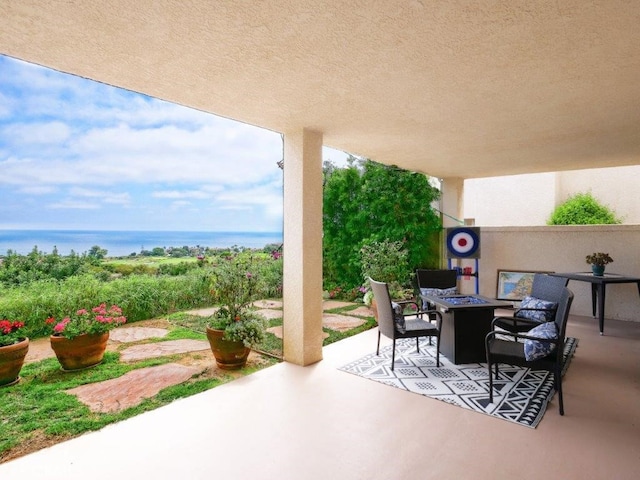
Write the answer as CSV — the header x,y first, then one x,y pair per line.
x,y
36,412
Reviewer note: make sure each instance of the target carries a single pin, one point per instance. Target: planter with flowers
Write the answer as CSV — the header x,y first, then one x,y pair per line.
x,y
598,260
80,340
13,349
235,328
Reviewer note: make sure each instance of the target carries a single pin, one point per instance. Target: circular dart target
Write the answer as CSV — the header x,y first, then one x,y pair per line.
x,y
463,242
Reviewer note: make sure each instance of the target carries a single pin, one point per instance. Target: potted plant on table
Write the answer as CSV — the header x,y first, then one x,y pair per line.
x,y
13,349
80,340
235,328
598,260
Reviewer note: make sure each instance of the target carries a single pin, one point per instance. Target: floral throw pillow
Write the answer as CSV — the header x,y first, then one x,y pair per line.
x,y
398,317
545,312
533,349
439,292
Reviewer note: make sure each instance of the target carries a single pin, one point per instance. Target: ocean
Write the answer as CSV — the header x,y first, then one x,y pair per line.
x,y
124,243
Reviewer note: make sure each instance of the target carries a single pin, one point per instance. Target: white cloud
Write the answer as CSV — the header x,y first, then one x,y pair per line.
x,y
106,148
199,194
38,133
38,189
73,205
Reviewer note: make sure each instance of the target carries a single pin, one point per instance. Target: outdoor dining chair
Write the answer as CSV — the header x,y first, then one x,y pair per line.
x,y
435,283
394,324
540,348
537,307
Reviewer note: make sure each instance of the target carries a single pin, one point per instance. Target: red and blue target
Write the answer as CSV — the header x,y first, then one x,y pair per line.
x,y
463,242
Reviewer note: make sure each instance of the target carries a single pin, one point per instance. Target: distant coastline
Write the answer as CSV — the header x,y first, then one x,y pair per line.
x,y
122,243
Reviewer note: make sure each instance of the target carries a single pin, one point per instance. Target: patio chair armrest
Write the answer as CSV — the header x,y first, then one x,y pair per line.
x,y
524,336
405,302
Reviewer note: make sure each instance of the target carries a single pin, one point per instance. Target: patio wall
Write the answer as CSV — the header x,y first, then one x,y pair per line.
x,y
563,249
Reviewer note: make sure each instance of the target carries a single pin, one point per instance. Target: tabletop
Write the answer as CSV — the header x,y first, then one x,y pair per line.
x,y
452,302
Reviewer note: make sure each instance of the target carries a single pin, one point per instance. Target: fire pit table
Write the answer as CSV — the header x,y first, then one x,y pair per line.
x,y
466,320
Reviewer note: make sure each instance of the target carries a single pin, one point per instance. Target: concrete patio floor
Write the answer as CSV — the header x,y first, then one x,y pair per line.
x,y
290,422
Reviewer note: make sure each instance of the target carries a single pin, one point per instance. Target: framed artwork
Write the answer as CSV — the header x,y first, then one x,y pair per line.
x,y
514,285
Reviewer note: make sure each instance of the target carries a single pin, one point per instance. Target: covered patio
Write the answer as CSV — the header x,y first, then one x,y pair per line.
x,y
449,89
316,422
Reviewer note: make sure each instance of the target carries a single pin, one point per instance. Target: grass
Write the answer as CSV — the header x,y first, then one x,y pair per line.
x,y
37,412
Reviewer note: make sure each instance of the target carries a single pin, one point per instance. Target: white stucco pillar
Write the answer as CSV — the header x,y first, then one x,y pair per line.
x,y
452,201
302,289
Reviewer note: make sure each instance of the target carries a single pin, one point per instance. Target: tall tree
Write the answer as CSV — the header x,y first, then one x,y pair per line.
x,y
367,202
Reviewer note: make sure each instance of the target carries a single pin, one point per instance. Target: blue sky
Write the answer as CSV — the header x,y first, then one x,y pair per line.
x,y
78,154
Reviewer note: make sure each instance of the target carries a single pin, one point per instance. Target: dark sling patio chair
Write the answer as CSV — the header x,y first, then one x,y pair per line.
x,y
392,323
537,307
435,283
542,348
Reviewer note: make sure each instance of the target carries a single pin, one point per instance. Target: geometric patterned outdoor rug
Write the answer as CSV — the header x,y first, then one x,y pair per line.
x,y
520,394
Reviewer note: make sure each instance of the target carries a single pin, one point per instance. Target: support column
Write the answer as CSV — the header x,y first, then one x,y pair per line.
x,y
452,201
451,210
302,289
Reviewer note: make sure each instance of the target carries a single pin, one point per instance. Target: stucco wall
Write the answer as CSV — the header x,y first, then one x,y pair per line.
x,y
563,249
521,200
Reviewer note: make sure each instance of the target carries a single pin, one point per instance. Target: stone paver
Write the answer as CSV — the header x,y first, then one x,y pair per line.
x,y
162,349
39,349
135,334
331,304
270,314
363,311
268,304
341,323
133,387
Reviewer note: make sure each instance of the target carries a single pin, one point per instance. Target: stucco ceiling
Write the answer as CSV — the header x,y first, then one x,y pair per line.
x,y
451,88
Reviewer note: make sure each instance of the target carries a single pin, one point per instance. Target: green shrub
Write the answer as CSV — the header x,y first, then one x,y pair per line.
x,y
140,296
386,262
583,209
16,269
179,268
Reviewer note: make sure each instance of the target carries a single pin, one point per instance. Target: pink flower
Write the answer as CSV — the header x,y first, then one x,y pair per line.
x,y
59,328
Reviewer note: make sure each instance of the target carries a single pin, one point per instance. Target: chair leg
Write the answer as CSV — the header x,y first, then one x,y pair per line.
x,y
437,353
558,379
418,344
393,355
378,348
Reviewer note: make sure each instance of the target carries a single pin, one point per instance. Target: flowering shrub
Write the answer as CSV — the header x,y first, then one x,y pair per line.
x,y
235,285
10,332
98,320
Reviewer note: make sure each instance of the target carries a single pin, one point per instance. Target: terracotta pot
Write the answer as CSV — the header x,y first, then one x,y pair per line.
x,y
11,361
228,355
80,352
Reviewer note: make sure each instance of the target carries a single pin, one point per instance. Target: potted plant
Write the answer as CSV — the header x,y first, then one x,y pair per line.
x,y
235,328
598,260
80,340
13,349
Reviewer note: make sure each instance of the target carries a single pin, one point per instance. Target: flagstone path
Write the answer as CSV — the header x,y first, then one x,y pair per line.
x,y
194,355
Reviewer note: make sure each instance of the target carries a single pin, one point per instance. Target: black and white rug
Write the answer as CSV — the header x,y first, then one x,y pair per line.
x,y
520,394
